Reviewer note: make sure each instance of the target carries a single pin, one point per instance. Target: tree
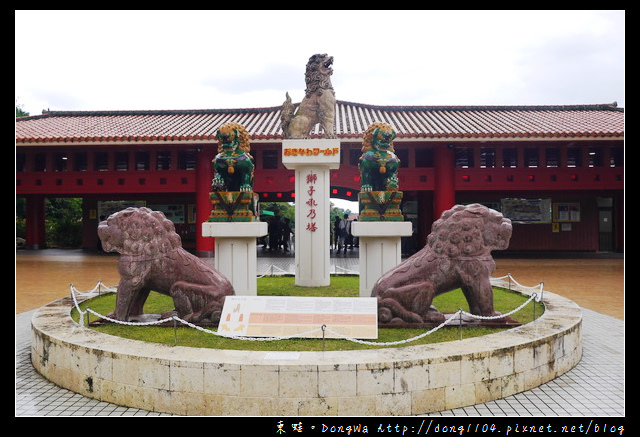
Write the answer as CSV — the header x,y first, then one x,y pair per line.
x,y
64,222
19,111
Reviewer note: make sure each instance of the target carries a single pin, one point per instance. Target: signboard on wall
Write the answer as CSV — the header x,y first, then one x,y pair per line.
x,y
108,207
566,212
174,212
526,210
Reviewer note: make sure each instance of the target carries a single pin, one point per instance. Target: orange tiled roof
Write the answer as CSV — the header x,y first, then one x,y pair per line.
x,y
352,119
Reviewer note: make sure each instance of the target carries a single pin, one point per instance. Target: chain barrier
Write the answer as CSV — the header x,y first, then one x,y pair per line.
x,y
271,268
274,270
494,281
345,271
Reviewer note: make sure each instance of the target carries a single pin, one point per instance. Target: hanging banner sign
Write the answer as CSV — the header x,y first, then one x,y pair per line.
x,y
526,210
311,151
308,151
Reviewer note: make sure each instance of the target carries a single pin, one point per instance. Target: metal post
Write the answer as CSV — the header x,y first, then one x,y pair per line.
x,y
324,327
175,332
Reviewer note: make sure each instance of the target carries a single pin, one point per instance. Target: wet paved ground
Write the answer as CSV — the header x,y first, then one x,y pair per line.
x,y
594,388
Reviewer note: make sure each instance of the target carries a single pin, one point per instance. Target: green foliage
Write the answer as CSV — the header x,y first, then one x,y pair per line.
x,y
20,112
287,210
341,286
283,209
63,222
21,221
21,227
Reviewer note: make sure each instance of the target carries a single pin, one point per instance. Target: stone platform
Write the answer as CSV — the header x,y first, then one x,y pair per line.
x,y
394,381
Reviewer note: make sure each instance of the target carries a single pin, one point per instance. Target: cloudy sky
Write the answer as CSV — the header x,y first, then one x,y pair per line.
x,y
141,60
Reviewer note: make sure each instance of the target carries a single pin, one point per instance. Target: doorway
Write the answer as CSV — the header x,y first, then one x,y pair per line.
x,y
605,224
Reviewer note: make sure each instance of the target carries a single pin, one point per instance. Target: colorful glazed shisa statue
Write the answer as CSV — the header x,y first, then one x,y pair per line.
x,y
379,195
232,195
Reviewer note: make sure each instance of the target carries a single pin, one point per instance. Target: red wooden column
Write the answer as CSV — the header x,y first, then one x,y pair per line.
x,y
205,246
36,238
444,197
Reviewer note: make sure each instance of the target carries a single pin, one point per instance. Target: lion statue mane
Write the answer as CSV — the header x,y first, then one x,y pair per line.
x,y
379,164
233,165
318,104
457,255
152,258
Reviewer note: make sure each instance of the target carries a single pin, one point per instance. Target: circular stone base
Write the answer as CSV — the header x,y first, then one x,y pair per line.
x,y
397,381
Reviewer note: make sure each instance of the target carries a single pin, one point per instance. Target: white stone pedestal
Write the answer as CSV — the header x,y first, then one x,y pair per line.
x,y
312,160
380,249
235,252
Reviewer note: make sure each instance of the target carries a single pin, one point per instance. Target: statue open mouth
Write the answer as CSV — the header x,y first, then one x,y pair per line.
x,y
328,63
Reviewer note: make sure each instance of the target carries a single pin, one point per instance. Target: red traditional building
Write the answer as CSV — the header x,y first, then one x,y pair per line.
x,y
556,171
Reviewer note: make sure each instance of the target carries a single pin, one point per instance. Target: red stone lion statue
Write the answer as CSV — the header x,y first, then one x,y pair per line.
x,y
152,258
457,255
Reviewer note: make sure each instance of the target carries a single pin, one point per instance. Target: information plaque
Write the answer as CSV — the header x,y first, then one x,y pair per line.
x,y
293,316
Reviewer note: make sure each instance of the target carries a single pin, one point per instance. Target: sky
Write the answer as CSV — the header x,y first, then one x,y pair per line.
x,y
209,59
143,60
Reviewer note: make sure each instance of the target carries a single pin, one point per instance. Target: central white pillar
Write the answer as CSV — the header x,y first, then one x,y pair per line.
x,y
312,160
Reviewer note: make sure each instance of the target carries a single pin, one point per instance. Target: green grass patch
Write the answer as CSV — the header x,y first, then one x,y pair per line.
x,y
341,286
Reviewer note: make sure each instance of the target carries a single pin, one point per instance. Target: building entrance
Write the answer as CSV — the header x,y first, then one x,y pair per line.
x,y
605,224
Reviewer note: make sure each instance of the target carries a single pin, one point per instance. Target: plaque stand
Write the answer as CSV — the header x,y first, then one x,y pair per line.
x,y
235,252
380,249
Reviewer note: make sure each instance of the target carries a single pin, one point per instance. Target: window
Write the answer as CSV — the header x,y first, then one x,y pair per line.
x,y
574,157
187,160
552,157
122,161
163,160
101,161
21,160
142,160
487,157
40,162
596,158
509,158
354,156
270,159
424,157
464,157
60,162
403,155
616,157
80,161
531,157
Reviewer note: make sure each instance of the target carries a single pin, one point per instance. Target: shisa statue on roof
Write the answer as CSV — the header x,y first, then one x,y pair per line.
x,y
318,104
232,193
379,195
